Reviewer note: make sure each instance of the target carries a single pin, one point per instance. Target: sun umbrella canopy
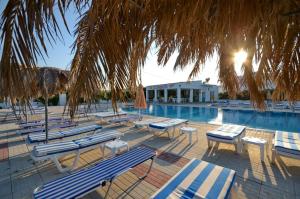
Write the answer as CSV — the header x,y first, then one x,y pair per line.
x,y
140,101
50,81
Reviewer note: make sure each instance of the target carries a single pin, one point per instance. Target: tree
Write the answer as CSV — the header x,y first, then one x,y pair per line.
x,y
113,39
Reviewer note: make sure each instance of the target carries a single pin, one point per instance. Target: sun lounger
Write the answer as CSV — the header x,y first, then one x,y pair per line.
x,y
38,123
125,119
198,179
49,119
145,123
286,144
41,137
82,182
42,128
165,126
227,133
108,114
54,151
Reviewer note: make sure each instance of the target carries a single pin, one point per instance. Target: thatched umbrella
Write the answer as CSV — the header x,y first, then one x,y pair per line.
x,y
140,101
114,37
49,82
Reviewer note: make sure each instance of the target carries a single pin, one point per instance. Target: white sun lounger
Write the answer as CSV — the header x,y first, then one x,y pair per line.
x,y
145,123
54,151
227,133
286,144
42,128
165,126
198,179
84,181
39,123
108,114
41,137
125,119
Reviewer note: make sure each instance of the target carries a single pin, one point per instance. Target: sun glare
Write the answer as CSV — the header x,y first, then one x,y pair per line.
x,y
239,58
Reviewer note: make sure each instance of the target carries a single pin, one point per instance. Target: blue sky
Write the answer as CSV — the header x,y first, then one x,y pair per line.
x,y
59,55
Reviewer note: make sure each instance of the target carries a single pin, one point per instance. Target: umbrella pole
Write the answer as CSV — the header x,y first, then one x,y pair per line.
x,y
46,117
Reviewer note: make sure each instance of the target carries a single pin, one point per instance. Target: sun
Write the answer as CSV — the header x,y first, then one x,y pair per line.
x,y
240,57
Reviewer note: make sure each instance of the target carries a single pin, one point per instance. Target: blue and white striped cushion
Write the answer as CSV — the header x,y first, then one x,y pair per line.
x,y
54,148
287,142
198,179
85,180
40,137
237,129
167,124
60,147
124,119
98,138
222,135
227,132
79,130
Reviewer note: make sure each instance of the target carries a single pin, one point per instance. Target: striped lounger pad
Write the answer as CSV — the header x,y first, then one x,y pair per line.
x,y
148,121
107,114
83,181
41,137
198,179
167,124
287,142
66,146
226,132
49,119
35,123
125,119
42,129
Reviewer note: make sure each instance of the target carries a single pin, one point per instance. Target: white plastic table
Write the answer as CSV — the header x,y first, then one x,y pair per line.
x,y
255,141
190,131
116,145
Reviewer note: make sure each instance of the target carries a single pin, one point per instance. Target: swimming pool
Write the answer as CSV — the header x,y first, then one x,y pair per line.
x,y
262,120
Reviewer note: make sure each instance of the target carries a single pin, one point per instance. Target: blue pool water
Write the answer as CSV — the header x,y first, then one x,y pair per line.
x,y
262,120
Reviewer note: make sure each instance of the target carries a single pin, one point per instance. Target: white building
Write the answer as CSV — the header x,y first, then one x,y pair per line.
x,y
182,92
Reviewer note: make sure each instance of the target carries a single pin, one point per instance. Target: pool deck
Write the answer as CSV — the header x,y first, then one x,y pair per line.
x,y
19,176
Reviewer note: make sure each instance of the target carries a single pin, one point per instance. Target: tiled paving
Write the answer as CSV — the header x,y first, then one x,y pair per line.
x,y
19,175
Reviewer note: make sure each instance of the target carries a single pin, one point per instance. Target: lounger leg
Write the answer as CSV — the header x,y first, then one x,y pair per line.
x,y
208,143
59,167
149,169
273,156
110,183
74,165
239,146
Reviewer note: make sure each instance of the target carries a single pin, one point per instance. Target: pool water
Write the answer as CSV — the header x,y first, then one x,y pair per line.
x,y
267,120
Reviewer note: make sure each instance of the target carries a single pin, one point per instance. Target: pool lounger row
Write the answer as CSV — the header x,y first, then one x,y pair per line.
x,y
227,133
198,179
54,151
166,125
286,144
41,136
84,181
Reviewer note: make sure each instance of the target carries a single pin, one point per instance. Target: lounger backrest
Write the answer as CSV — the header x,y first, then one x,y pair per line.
x,y
287,141
199,179
83,129
167,123
236,129
98,138
53,148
